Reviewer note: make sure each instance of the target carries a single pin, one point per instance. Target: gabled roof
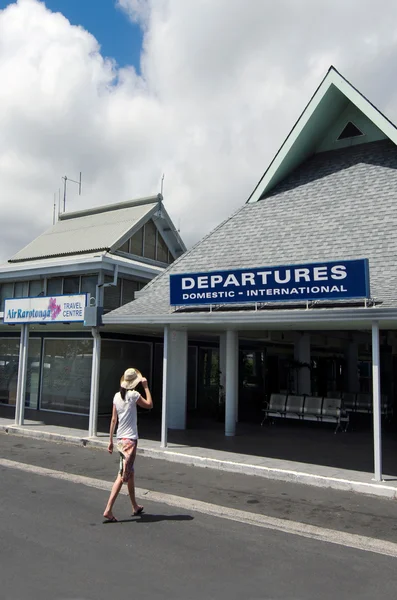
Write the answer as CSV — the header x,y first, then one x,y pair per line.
x,y
337,205
320,205
104,228
335,96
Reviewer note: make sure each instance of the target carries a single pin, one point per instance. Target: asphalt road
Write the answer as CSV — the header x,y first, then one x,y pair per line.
x,y
55,547
342,511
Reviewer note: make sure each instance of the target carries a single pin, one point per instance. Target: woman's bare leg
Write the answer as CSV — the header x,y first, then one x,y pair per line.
x,y
113,496
131,491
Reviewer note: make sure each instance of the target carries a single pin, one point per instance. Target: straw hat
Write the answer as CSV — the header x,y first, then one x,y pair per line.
x,y
130,379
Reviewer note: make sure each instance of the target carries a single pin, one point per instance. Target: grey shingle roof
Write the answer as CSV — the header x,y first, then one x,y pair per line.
x,y
87,231
337,205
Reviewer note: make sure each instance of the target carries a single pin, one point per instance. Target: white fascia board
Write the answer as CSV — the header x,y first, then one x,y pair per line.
x,y
173,231
368,109
275,319
332,78
130,232
17,271
128,267
291,139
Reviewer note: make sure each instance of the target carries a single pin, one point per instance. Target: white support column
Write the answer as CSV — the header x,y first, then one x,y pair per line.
x,y
231,382
164,417
376,402
222,364
177,379
302,354
95,372
22,371
352,366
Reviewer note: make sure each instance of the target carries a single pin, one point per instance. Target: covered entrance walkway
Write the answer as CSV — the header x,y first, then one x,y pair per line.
x,y
286,442
359,343
284,453
255,360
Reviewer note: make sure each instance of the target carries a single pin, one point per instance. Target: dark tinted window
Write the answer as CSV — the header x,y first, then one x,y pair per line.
x,y
129,289
112,294
54,286
162,249
136,243
150,240
71,285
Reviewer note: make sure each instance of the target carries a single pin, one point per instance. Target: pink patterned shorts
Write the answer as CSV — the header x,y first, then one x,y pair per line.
x,y
127,451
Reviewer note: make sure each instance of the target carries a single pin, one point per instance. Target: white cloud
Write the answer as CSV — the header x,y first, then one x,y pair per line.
x,y
137,10
222,84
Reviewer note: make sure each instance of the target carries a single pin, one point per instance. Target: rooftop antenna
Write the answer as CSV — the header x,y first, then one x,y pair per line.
x,y
160,212
54,208
65,180
162,185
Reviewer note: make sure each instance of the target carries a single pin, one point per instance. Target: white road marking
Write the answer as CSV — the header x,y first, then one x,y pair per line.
x,y
331,536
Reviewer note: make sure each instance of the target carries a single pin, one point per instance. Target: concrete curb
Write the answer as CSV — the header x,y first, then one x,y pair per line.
x,y
373,489
36,434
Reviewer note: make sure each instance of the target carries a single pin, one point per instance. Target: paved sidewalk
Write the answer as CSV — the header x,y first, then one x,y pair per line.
x,y
272,468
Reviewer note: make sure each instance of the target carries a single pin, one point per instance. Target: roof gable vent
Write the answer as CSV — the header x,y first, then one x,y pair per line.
x,y
350,131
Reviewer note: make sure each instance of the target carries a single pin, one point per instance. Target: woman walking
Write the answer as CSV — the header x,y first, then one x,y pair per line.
x,y
124,411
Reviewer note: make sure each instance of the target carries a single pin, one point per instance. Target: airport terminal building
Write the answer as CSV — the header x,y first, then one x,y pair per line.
x,y
287,311
312,255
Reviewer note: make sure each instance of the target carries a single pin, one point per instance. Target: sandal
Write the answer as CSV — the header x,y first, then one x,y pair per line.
x,y
110,520
138,512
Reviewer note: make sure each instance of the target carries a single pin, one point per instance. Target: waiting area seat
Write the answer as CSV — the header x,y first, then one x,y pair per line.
x,y
307,408
277,405
361,403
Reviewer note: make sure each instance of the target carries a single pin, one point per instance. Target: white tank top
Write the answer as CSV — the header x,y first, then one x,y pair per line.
x,y
126,412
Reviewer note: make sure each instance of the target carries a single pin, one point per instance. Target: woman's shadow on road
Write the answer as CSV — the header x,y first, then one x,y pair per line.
x,y
148,518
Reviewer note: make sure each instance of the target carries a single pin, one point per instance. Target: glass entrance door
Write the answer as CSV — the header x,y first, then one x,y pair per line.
x,y
251,383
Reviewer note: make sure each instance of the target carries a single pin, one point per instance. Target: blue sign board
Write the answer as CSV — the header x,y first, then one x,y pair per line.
x,y
337,280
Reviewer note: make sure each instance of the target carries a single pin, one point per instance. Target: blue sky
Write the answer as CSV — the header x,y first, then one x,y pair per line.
x,y
118,36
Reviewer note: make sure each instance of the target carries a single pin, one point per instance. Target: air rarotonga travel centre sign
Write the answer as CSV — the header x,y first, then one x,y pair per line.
x,y
337,280
45,309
